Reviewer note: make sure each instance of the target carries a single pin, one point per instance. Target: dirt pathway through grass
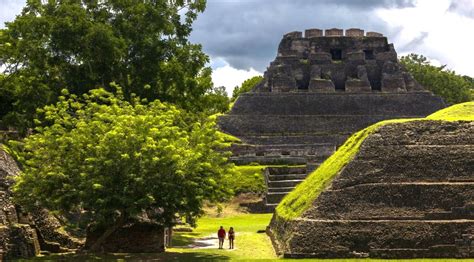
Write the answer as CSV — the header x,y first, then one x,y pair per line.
x,y
205,242
210,241
250,243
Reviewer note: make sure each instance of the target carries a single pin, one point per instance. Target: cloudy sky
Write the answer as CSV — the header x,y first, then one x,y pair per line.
x,y
241,36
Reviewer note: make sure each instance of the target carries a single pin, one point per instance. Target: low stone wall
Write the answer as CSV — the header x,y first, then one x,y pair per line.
x,y
385,104
301,139
382,239
296,124
243,154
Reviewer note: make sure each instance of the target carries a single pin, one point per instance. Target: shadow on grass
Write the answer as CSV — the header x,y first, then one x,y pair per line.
x,y
181,239
166,256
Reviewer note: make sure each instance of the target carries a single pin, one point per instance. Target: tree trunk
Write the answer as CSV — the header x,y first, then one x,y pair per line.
x,y
98,243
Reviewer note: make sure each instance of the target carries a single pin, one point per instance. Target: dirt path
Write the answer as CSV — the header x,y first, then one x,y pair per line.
x,y
208,242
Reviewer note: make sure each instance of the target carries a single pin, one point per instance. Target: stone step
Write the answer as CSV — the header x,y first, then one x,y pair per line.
x,y
271,207
280,189
466,180
284,183
289,160
284,170
286,177
274,197
399,253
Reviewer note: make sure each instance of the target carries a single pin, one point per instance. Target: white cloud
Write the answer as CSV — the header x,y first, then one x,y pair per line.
x,y
227,76
432,30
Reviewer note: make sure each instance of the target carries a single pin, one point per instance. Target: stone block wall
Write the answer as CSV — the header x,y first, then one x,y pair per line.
x,y
354,32
334,32
313,33
336,104
17,239
339,58
300,123
24,235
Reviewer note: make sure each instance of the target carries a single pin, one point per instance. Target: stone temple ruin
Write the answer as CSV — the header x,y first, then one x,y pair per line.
x,y
407,193
336,62
22,234
318,91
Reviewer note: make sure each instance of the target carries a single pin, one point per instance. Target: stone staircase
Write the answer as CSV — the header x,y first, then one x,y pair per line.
x,y
280,181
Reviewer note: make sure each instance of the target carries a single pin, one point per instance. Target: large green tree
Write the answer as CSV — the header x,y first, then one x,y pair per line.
x,y
246,86
441,81
142,45
112,161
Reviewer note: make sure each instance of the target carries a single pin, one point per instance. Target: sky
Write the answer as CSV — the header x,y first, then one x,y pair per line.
x,y
241,36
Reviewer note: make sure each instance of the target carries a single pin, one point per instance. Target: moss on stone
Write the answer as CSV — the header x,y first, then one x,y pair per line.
x,y
304,61
230,138
250,178
301,198
458,112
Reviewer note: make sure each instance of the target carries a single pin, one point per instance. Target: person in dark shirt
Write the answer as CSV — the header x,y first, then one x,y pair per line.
x,y
221,236
231,236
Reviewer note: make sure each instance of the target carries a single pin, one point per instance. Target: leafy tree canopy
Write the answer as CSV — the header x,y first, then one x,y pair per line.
x,y
84,44
451,87
246,86
114,160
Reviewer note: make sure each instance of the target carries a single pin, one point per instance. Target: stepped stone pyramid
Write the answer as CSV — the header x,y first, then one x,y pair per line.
x,y
318,91
408,192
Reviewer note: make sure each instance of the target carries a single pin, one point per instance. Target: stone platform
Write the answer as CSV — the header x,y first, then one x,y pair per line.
x,y
301,128
319,118
408,193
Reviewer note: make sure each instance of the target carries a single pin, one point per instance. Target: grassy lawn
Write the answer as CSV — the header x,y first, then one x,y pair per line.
x,y
248,243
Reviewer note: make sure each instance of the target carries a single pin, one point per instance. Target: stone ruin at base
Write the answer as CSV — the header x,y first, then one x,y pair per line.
x,y
24,235
318,91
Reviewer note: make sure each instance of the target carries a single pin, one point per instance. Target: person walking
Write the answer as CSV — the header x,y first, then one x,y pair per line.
x,y
231,236
221,236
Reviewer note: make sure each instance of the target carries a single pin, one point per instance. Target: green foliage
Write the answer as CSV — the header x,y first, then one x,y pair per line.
x,y
451,87
246,86
108,159
248,179
301,198
81,45
230,138
215,101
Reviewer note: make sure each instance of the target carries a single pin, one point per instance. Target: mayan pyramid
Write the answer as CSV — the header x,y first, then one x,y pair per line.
x,y
319,90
